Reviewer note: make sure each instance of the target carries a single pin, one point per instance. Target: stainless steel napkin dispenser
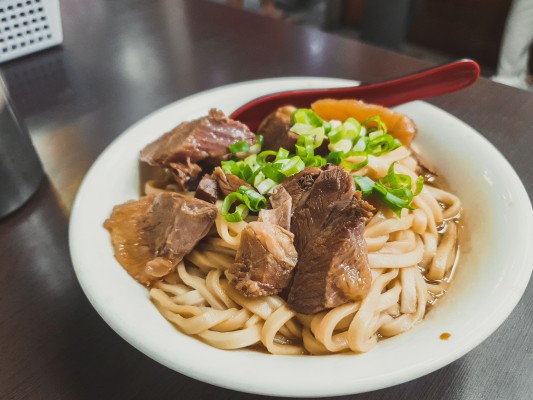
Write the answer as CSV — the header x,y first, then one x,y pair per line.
x,y
28,26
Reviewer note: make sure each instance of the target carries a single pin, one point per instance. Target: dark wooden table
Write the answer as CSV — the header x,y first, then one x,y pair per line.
x,y
124,59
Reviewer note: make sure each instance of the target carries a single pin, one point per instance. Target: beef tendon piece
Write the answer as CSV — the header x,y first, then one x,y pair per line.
x,y
207,189
333,267
280,209
275,129
228,183
312,192
194,145
150,236
265,260
299,185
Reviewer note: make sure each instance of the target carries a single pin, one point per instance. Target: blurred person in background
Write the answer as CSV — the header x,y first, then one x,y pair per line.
x,y
517,39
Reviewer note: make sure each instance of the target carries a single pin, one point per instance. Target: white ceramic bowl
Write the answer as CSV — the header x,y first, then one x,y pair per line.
x,y
495,264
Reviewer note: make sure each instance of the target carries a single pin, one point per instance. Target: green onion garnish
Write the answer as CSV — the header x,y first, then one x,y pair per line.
x,y
239,147
306,116
250,199
395,190
244,147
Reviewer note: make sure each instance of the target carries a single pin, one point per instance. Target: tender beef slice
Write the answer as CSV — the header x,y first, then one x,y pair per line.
x,y
333,184
298,186
195,144
333,267
275,129
186,175
228,183
151,235
207,189
280,209
265,260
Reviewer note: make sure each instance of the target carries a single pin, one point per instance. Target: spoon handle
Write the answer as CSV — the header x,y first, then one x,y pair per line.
x,y
430,82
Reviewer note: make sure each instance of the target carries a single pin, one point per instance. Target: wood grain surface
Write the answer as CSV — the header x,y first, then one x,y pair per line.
x,y
124,59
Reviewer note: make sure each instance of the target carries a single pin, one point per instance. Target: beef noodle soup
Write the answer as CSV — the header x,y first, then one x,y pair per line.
x,y
321,234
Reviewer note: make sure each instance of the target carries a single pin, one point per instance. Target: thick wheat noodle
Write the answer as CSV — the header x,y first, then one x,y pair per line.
x,y
199,323
362,331
444,252
453,203
175,289
218,245
198,284
420,221
223,229
433,205
380,260
312,345
405,243
208,260
329,323
237,321
408,298
393,310
409,162
254,320
233,340
420,204
430,248
389,226
192,297
212,282
263,307
406,321
272,325
376,243
162,298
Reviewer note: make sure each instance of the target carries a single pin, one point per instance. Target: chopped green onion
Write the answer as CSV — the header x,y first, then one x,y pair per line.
x,y
241,211
272,171
250,199
292,167
262,157
265,186
395,190
253,200
365,184
239,147
244,147
282,154
306,116
380,124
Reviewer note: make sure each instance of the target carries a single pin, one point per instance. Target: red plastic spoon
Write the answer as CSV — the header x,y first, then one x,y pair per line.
x,y
430,82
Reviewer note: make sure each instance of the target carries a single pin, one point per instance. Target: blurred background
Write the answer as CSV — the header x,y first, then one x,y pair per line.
x,y
436,30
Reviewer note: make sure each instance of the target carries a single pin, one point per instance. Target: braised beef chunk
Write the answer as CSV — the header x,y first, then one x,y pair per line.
x,y
275,129
280,209
195,144
265,260
312,193
299,185
228,183
333,267
207,189
151,235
